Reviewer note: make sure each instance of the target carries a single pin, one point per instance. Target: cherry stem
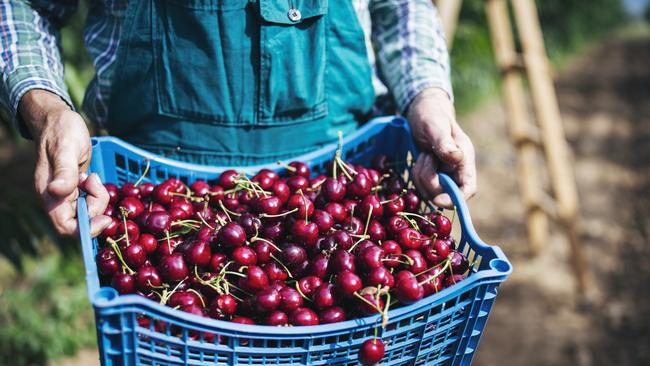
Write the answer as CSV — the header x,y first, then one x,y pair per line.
x,y
301,293
374,306
406,214
227,211
144,174
444,268
282,265
198,294
384,315
281,214
286,166
118,252
266,241
204,222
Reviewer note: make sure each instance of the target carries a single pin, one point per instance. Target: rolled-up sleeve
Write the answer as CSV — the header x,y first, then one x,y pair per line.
x,y
411,49
30,57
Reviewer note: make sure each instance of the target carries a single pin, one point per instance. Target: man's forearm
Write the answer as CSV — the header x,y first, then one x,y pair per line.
x,y
35,106
29,56
411,48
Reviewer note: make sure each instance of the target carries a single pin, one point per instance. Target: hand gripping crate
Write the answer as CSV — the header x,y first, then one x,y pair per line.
x,y
442,329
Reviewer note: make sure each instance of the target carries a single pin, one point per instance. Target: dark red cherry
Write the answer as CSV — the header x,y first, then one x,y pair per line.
x,y
281,190
309,284
277,318
443,225
409,238
200,188
132,207
371,352
158,222
305,232
319,265
107,262
417,263
232,235
163,193
124,283
290,299
267,300
255,279
360,186
408,290
453,279
147,278
394,205
300,169
217,260
228,179
198,253
411,201
173,268
130,190
244,256
366,308
334,314
395,224
303,204
380,276
131,229
459,264
243,320
324,297
347,283
223,306
371,257
337,211
304,316
392,252
371,205
323,220
134,255
337,240
333,190
298,183
342,260
113,193
376,231
270,205
146,189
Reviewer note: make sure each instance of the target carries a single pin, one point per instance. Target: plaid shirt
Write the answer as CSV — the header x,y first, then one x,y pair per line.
x,y
404,37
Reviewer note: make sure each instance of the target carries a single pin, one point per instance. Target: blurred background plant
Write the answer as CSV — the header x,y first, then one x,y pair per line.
x,y
44,311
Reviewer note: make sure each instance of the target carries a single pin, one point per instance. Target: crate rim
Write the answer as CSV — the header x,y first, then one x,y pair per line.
x,y
106,299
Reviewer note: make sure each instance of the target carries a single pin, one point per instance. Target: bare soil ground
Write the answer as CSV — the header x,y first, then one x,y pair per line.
x,y
537,320
605,101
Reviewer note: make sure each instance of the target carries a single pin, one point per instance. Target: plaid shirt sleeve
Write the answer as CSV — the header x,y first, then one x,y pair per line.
x,y
410,47
29,50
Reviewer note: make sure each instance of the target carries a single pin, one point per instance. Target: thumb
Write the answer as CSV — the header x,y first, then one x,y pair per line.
x,y
65,173
445,148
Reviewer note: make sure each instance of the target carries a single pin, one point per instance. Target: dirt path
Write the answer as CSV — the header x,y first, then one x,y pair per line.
x,y
605,101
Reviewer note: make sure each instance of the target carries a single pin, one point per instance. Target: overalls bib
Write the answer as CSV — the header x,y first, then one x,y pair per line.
x,y
239,82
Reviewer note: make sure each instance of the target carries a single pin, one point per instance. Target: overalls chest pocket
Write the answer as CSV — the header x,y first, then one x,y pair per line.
x,y
293,59
205,60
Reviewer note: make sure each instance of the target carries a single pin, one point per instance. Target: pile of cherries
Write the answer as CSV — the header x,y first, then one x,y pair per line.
x,y
294,249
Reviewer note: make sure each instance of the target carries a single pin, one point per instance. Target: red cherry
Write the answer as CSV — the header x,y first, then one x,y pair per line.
x,y
298,183
342,260
371,352
337,211
132,206
228,178
303,204
173,267
376,231
255,279
392,252
111,230
443,225
244,256
459,264
162,193
146,189
323,220
113,193
436,252
304,316
333,190
277,318
129,190
334,314
411,201
453,279
305,232
418,263
132,230
217,260
347,283
158,222
309,284
360,186
371,257
409,238
281,190
432,281
107,262
200,188
394,205
147,278
243,320
380,276
270,205
371,204
408,290
323,297
300,169
134,255
366,309
395,224
336,240
223,306
124,283
319,265
267,300
198,253
232,235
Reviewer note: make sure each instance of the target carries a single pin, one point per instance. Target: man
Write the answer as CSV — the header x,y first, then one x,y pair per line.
x,y
225,82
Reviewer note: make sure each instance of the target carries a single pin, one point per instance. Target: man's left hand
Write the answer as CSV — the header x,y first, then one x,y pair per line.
x,y
443,146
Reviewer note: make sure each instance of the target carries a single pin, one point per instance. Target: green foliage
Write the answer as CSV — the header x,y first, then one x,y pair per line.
x,y
45,314
566,24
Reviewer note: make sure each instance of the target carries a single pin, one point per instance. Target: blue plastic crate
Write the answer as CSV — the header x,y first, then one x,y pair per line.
x,y
442,329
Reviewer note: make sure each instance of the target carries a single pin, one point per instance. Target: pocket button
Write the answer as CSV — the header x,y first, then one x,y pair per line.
x,y
294,15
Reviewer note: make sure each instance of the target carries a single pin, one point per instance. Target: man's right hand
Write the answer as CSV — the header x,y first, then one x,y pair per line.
x,y
63,154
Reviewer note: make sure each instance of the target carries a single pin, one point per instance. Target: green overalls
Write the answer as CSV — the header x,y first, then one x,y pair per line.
x,y
239,82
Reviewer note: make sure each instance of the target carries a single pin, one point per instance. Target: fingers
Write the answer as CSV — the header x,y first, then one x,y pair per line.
x,y
62,212
98,224
97,196
466,172
64,163
443,145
